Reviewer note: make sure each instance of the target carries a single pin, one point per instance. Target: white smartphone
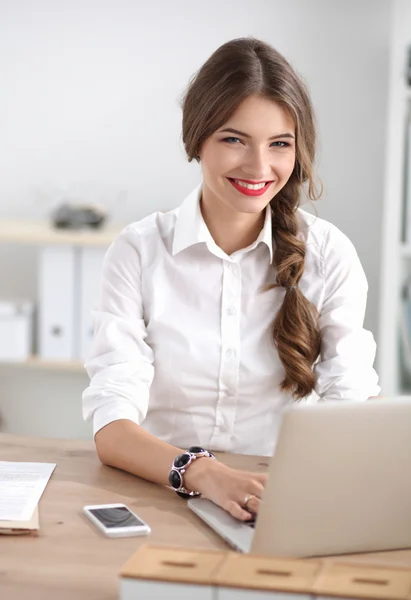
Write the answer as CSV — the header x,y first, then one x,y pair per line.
x,y
116,520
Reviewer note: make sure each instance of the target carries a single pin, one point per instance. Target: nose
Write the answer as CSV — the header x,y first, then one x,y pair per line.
x,y
257,164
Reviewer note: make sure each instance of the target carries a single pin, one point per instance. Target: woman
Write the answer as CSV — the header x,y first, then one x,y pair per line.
x,y
216,315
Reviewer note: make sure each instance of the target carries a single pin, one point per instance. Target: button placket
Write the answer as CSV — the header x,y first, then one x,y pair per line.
x,y
230,350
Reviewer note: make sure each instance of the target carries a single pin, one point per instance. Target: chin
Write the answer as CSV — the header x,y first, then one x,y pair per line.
x,y
250,205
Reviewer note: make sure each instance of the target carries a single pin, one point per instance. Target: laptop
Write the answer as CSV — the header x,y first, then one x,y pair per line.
x,y
339,482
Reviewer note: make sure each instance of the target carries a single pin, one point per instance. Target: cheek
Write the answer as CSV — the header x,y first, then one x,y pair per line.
x,y
286,165
217,160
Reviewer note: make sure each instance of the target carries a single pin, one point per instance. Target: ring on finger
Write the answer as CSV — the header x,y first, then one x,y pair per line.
x,y
247,500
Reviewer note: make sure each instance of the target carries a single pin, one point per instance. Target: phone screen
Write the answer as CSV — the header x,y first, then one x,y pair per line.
x,y
118,516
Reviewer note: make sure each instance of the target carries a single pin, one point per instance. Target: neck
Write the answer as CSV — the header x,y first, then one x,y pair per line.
x,y
230,230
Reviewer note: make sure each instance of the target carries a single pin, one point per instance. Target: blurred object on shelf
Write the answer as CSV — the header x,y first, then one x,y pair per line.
x,y
405,337
88,275
78,216
405,325
16,329
56,324
406,211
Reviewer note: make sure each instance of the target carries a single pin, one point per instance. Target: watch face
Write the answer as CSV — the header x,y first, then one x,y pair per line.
x,y
175,479
181,460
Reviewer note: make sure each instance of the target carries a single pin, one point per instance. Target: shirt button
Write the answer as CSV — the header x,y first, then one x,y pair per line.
x,y
230,312
230,352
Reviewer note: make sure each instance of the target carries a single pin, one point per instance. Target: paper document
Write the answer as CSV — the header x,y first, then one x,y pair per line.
x,y
21,486
21,527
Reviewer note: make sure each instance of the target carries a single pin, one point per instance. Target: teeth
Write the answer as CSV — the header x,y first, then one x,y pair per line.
x,y
250,186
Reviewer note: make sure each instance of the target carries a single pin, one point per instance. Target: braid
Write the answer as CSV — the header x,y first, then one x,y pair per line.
x,y
296,332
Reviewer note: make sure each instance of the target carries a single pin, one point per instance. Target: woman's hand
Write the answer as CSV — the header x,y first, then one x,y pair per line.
x,y
227,487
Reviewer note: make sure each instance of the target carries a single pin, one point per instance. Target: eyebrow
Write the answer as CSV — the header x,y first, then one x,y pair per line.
x,y
246,135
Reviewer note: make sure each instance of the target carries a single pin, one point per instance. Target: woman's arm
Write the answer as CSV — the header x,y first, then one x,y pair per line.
x,y
345,369
121,368
126,445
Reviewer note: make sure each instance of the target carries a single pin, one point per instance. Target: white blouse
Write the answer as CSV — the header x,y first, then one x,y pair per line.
x,y
183,342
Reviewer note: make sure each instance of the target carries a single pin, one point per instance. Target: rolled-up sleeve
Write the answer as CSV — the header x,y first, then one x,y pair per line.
x,y
120,365
345,368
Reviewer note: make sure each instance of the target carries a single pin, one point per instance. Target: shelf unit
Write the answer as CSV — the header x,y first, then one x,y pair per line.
x,y
37,233
40,233
405,250
395,255
35,362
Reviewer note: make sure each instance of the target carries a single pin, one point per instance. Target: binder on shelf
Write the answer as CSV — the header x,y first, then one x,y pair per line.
x,y
16,323
57,291
90,264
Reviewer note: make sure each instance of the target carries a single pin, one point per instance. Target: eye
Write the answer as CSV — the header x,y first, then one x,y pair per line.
x,y
280,144
231,140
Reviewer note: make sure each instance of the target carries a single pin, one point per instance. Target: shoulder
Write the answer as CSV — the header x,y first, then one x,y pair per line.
x,y
322,234
140,239
328,250
152,228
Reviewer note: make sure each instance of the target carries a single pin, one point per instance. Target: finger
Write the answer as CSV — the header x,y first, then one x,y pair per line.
x,y
260,477
256,488
253,504
237,511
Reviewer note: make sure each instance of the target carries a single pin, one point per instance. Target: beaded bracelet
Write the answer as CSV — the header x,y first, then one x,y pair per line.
x,y
180,466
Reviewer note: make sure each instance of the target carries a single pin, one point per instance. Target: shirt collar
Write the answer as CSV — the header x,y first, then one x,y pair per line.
x,y
190,227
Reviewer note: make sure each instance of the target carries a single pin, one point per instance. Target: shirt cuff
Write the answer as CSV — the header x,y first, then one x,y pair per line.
x,y
113,412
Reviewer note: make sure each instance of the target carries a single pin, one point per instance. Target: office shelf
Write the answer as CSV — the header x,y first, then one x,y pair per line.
x,y
41,233
395,255
35,362
405,250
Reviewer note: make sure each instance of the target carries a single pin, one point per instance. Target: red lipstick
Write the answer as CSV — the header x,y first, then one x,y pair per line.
x,y
247,191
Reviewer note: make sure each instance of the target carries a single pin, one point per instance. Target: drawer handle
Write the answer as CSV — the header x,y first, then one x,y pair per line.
x,y
174,563
275,573
370,581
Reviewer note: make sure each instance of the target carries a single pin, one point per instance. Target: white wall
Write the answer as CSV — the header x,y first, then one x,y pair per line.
x,y
89,109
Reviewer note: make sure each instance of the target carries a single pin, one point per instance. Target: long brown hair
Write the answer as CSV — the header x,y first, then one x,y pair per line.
x,y
239,69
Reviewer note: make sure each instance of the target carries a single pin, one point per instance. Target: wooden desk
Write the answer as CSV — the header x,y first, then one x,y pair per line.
x,y
70,558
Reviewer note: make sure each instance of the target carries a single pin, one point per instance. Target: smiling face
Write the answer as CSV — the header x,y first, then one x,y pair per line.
x,y
249,159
